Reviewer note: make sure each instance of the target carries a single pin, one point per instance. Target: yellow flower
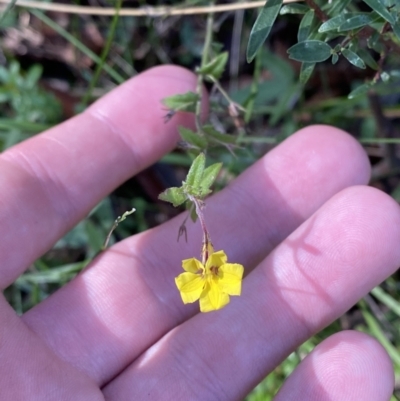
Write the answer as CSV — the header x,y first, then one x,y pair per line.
x,y
212,283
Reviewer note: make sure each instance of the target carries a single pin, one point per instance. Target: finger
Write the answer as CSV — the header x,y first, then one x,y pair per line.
x,y
347,366
30,371
127,299
332,260
50,182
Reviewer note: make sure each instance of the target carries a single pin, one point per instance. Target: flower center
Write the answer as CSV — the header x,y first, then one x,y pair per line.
x,y
214,270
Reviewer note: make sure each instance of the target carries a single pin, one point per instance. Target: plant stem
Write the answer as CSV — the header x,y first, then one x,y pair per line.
x,y
318,12
79,45
206,235
204,61
104,54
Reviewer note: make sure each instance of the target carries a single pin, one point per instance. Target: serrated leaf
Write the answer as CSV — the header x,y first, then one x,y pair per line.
x,y
294,8
353,58
306,71
192,138
209,176
361,90
310,51
333,23
193,179
305,26
216,66
262,27
358,21
216,136
174,195
182,102
378,7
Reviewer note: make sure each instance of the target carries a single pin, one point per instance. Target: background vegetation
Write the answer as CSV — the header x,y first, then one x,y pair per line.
x,y
54,63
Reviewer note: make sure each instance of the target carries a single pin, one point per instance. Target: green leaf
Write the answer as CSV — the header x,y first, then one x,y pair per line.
x,y
310,51
373,42
306,71
182,102
216,136
387,299
192,138
368,59
338,6
353,58
305,26
174,195
335,58
333,23
294,8
396,29
33,75
358,21
216,66
360,90
381,336
378,7
209,176
262,27
193,213
193,179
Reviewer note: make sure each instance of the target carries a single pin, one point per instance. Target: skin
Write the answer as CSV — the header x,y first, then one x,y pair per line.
x,y
312,236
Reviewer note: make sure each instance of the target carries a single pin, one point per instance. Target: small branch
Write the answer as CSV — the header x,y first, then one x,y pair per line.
x,y
115,225
206,236
148,11
318,12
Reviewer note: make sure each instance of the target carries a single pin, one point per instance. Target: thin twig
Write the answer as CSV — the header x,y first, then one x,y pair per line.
x,y
161,11
115,225
104,54
318,12
206,236
79,45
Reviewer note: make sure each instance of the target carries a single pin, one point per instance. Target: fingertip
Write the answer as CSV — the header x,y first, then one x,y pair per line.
x,y
347,366
353,365
327,138
374,218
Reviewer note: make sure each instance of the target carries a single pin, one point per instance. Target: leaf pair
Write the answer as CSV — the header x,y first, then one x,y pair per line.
x,y
209,136
197,184
215,67
182,102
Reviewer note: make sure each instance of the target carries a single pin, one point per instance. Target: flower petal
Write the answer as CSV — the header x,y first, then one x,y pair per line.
x,y
192,265
212,298
190,286
230,278
216,259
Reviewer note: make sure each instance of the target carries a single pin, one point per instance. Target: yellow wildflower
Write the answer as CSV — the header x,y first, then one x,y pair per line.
x,y
211,283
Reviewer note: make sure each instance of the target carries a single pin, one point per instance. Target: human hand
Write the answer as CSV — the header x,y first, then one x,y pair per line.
x,y
311,240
